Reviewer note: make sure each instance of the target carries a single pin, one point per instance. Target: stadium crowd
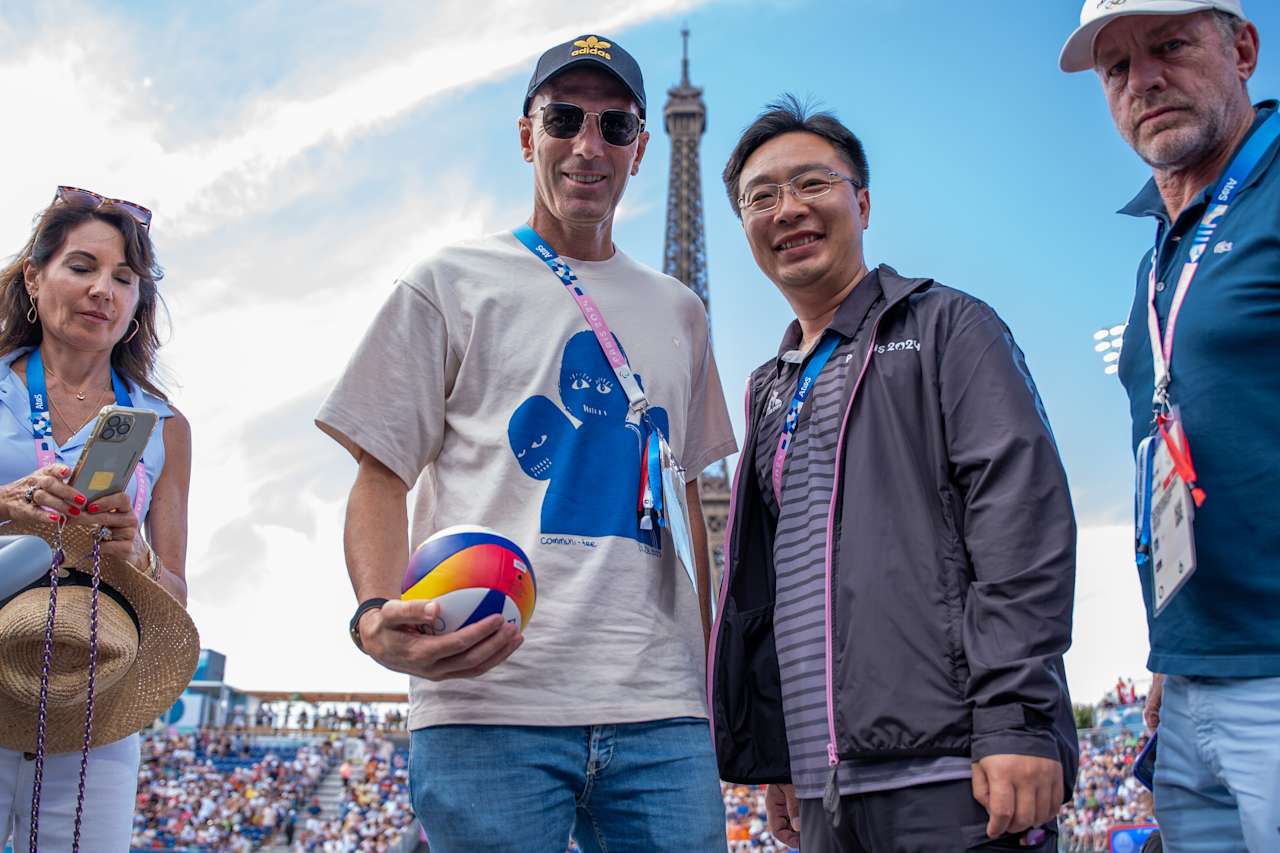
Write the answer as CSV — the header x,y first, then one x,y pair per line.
x,y
215,791
374,811
1107,794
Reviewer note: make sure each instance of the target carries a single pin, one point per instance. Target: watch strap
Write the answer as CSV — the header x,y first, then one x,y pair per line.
x,y
365,606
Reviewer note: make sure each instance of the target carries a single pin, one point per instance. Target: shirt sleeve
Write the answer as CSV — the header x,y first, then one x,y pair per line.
x,y
390,400
708,432
1020,533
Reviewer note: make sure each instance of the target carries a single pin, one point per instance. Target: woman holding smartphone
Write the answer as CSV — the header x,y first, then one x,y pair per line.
x,y
78,332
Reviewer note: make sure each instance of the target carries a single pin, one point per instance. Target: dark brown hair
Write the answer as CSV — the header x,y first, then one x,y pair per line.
x,y
135,358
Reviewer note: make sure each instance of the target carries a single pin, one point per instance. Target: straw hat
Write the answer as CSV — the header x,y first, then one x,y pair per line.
x,y
147,650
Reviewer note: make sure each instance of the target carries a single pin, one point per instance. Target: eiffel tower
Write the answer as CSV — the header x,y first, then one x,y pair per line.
x,y
685,257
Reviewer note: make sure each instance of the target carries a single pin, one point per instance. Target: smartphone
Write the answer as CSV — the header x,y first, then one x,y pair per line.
x,y
112,452
1144,766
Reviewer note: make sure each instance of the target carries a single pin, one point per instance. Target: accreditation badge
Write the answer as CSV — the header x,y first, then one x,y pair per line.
x,y
1170,506
677,510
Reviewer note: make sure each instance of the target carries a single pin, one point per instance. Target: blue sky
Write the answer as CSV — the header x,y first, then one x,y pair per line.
x,y
298,155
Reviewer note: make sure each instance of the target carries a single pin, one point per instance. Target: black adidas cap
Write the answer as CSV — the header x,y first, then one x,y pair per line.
x,y
594,49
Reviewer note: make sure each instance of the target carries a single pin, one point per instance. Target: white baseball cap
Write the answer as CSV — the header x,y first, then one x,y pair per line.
x,y
1077,53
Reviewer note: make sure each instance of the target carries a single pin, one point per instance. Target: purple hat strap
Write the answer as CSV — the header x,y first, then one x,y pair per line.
x,y
59,556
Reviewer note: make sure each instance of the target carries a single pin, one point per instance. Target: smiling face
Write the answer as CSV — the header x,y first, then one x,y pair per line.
x,y
805,245
580,181
1174,85
87,293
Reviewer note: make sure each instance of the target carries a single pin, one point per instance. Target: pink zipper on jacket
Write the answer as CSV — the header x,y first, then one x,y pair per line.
x,y
724,579
833,755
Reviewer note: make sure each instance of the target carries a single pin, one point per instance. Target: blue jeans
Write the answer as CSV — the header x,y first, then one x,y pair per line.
x,y
1217,779
523,789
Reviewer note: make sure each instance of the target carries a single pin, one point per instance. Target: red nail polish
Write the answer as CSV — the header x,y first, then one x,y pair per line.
x,y
73,510
53,516
93,507
79,499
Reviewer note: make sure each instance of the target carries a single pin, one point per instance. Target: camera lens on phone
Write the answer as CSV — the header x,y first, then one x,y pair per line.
x,y
124,428
108,433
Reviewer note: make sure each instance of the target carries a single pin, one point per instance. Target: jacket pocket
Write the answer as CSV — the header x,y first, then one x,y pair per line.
x,y
751,742
955,572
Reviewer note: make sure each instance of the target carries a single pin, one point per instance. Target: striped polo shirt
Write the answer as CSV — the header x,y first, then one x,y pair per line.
x,y
799,553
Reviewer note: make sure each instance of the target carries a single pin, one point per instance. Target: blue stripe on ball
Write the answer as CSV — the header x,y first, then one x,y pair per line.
x,y
493,602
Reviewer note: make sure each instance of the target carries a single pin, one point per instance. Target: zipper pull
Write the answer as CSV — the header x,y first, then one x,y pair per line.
x,y
831,793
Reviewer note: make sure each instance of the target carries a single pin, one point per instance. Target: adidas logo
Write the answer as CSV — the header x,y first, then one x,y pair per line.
x,y
592,46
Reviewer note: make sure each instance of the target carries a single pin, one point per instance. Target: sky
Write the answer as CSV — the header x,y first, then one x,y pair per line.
x,y
298,156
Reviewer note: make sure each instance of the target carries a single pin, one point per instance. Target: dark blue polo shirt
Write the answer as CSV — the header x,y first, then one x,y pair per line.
x,y
1226,380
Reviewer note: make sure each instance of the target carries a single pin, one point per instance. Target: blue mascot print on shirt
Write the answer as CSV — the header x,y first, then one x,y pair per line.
x,y
592,469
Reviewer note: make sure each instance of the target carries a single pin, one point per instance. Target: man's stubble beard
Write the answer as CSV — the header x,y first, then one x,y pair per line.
x,y
1186,146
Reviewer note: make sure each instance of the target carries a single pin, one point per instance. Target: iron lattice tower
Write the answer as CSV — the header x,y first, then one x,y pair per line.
x,y
685,257
685,252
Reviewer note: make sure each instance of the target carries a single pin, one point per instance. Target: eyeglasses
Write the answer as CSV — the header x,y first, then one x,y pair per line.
x,y
807,186
565,121
88,198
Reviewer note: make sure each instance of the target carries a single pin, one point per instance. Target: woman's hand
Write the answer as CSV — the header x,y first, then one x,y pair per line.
x,y
41,496
115,513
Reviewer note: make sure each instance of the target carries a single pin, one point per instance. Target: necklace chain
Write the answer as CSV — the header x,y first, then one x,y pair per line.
x,y
80,394
73,428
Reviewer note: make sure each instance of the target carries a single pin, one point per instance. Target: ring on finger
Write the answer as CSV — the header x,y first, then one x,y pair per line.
x,y
30,496
106,534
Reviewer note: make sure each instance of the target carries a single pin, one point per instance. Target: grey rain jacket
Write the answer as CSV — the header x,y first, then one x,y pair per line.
x,y
950,557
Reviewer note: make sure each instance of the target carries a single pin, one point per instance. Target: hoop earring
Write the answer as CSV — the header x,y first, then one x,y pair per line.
x,y
32,316
134,333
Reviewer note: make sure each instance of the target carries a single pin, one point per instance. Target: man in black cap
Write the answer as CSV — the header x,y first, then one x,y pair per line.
x,y
526,380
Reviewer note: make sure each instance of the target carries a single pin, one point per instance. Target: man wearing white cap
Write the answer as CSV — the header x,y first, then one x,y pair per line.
x,y
1175,76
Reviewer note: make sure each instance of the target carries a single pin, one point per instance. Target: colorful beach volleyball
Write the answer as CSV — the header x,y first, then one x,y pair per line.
x,y
471,572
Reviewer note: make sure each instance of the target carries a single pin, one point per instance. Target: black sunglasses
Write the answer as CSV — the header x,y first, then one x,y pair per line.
x,y
565,121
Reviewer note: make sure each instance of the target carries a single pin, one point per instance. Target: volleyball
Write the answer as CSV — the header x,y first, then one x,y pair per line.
x,y
471,572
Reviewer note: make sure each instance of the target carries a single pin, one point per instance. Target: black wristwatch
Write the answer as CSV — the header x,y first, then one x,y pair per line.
x,y
365,606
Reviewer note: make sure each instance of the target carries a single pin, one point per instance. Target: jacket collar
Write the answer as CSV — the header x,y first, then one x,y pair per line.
x,y
847,318
894,287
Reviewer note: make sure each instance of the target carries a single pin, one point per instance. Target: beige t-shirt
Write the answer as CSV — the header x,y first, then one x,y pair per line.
x,y
481,382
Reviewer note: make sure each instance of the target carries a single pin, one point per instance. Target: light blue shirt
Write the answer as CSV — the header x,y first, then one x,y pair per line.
x,y
17,447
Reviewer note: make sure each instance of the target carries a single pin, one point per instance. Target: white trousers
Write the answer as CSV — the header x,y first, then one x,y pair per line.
x,y
110,789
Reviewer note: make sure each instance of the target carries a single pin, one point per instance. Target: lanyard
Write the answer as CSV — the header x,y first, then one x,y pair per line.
x,y
651,505
808,378
1220,203
626,377
42,425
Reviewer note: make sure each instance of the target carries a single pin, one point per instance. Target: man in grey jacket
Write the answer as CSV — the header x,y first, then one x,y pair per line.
x,y
900,562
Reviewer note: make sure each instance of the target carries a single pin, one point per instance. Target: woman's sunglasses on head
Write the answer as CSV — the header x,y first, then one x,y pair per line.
x,y
565,121
88,198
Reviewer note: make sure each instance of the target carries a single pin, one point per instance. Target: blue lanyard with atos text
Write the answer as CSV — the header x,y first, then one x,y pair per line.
x,y
808,378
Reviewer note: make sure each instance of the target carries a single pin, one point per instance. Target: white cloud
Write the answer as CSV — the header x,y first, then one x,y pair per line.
x,y
266,305
103,131
1110,636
